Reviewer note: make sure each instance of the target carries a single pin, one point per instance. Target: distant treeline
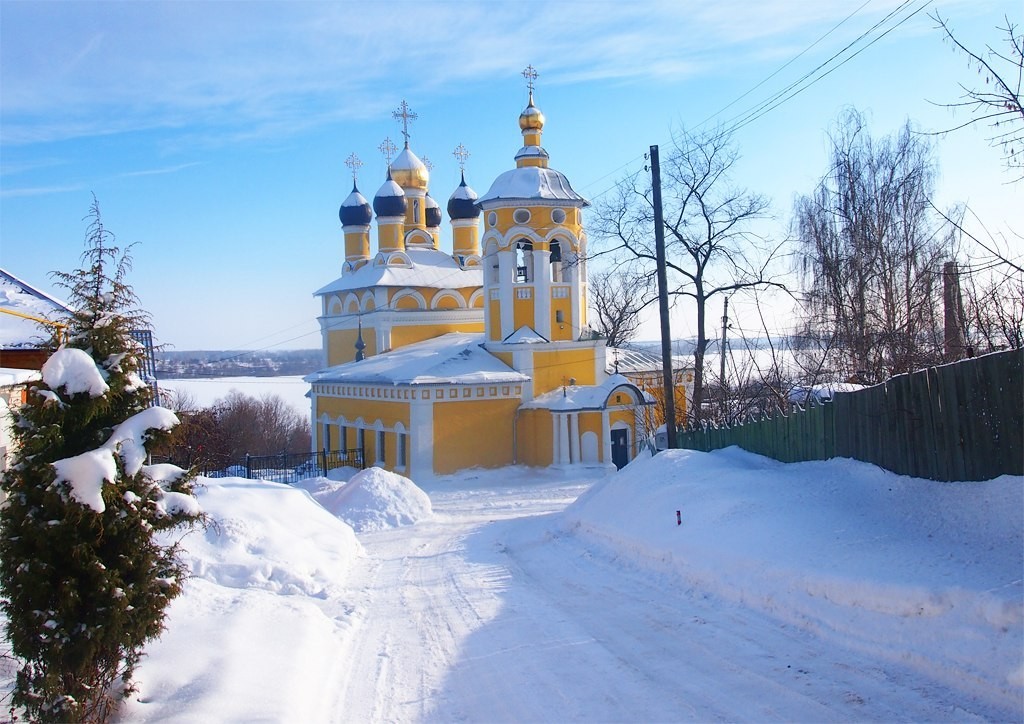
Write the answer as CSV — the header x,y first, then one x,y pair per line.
x,y
230,363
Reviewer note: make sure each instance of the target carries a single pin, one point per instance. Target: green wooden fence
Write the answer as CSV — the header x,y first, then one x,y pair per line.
x,y
961,421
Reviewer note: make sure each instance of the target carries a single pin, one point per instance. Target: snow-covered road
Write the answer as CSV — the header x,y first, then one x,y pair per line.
x,y
491,612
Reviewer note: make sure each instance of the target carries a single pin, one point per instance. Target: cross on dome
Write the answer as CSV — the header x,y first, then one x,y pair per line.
x,y
461,154
404,114
428,163
530,73
388,149
354,164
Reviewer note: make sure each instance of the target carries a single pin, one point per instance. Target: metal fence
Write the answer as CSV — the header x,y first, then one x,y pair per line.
x,y
962,421
284,467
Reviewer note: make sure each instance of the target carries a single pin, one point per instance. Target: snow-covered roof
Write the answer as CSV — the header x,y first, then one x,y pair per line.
x,y
455,358
532,183
430,268
585,397
19,296
12,376
635,361
822,391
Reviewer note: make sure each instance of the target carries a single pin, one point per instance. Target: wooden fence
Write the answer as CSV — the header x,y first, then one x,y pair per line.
x,y
961,421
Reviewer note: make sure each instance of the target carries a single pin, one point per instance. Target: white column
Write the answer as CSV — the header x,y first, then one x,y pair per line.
x,y
606,437
574,435
563,433
542,293
420,447
506,281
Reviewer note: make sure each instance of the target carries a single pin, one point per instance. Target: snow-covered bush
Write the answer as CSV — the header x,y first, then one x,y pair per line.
x,y
84,582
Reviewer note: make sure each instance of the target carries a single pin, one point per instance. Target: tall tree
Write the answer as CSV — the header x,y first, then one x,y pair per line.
x,y
997,102
617,299
712,242
84,581
871,250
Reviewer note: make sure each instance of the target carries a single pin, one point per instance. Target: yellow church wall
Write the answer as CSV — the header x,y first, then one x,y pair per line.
x,y
522,311
495,314
535,438
341,344
591,422
469,434
555,368
370,410
404,335
561,331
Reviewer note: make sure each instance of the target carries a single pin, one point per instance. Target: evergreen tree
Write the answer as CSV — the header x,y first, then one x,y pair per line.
x,y
85,582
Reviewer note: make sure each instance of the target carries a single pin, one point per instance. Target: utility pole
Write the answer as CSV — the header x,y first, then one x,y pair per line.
x,y
666,334
721,354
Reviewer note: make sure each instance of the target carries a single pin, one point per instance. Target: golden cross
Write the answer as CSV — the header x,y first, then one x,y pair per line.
x,y
355,164
461,154
387,148
531,75
404,114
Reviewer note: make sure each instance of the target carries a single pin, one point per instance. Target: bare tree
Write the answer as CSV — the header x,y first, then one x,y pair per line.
x,y
617,299
710,225
871,250
998,102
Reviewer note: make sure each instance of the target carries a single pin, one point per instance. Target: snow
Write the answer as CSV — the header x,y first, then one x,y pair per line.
x,y
448,359
822,391
430,269
205,391
586,397
86,473
797,592
75,371
373,499
532,183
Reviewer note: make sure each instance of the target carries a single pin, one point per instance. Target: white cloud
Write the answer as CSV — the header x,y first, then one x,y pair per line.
x,y
261,69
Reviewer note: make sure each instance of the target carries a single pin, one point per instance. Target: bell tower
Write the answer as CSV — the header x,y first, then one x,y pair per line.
x,y
534,245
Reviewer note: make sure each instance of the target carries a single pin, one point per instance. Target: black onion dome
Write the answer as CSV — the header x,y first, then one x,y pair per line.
x,y
355,210
390,199
462,203
433,212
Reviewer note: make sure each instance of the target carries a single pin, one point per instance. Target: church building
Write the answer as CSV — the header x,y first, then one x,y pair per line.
x,y
479,357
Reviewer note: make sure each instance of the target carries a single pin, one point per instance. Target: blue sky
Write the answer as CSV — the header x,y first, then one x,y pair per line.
x,y
214,134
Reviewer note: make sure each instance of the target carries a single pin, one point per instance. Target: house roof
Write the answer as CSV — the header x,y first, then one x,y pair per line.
x,y
18,297
636,361
585,397
454,358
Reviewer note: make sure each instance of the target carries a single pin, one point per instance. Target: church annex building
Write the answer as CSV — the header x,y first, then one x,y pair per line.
x,y
481,357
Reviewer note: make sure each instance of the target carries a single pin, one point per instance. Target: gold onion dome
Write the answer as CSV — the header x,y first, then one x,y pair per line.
x,y
531,119
409,171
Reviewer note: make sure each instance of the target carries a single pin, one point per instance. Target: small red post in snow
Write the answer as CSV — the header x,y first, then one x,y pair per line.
x,y
679,517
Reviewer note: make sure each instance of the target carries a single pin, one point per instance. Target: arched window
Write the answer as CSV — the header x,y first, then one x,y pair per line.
x,y
524,261
556,261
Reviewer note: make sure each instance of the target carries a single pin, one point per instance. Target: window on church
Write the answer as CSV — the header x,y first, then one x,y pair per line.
x,y
556,261
361,443
380,447
524,260
403,442
343,438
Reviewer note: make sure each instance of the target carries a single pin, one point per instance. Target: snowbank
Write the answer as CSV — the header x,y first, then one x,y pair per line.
x,y
907,569
372,499
268,536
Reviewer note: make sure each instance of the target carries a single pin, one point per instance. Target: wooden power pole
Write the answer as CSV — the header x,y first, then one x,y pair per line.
x,y
666,333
